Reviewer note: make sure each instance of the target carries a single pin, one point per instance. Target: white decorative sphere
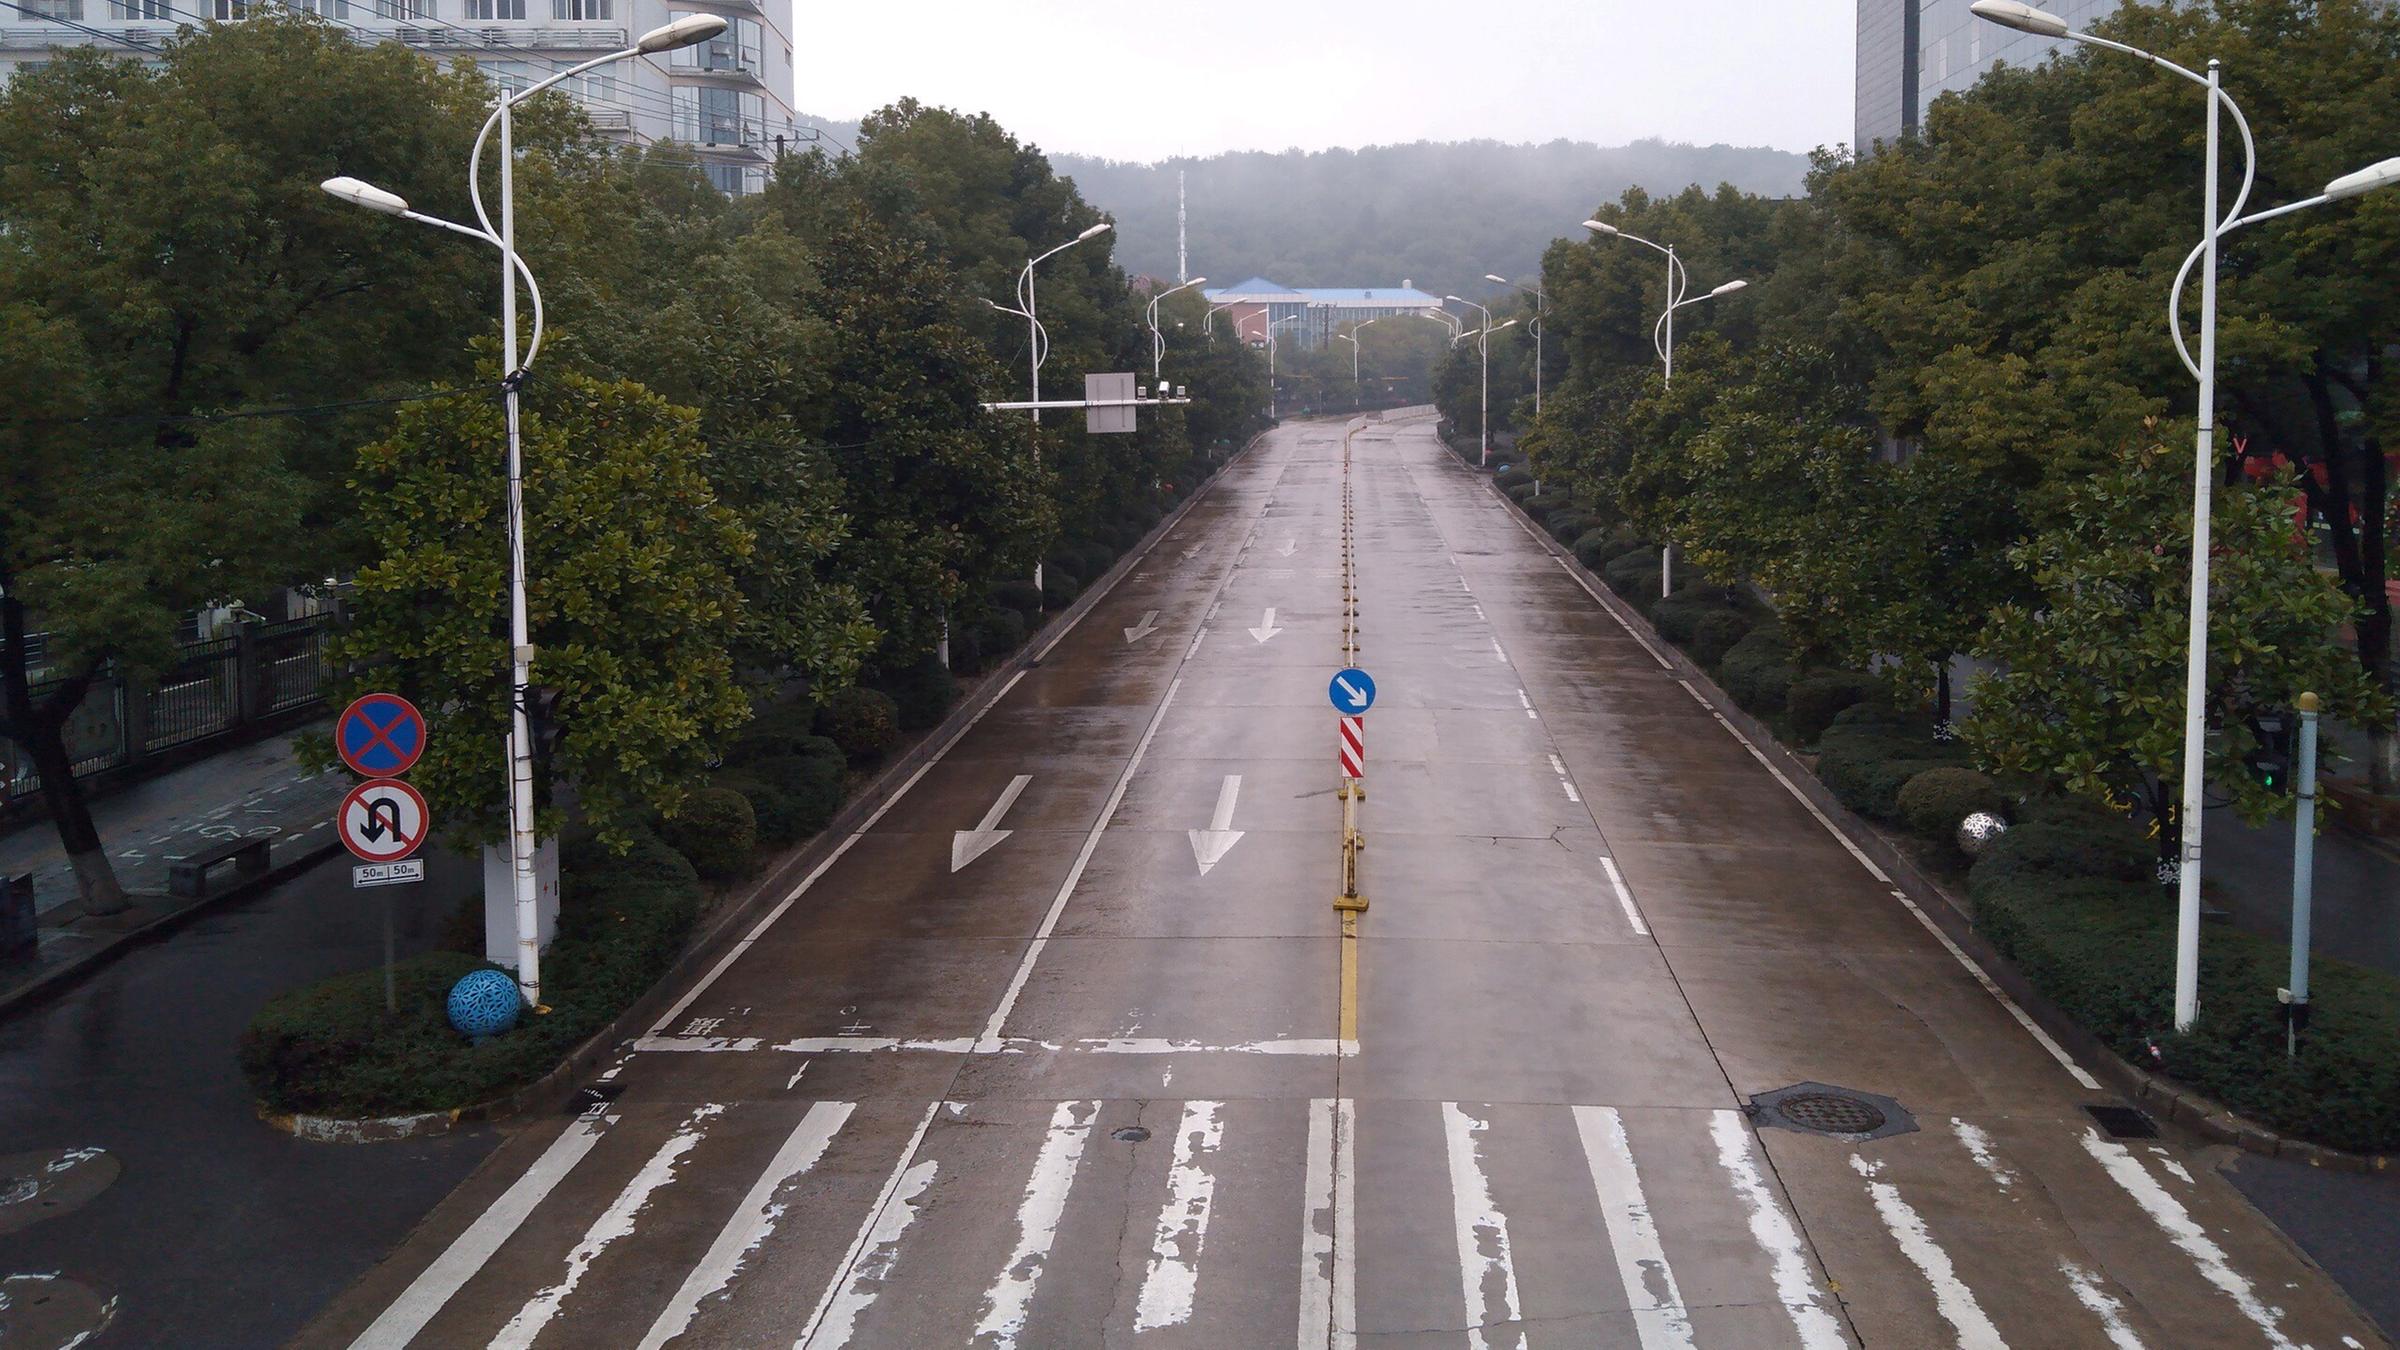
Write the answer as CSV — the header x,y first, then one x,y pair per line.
x,y
1977,831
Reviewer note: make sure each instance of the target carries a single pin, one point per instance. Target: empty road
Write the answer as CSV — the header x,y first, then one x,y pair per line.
x,y
1064,1048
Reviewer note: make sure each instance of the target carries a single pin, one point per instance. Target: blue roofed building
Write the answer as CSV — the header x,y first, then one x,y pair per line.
x,y
1316,312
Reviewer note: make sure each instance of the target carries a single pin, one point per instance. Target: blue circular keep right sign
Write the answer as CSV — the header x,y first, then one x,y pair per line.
x,y
1352,691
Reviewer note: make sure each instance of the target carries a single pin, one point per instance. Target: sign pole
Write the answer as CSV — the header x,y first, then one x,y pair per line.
x,y
391,999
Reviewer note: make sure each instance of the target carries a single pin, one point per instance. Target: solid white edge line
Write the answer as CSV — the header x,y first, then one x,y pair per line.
x,y
1633,913
867,1227
1083,858
434,1287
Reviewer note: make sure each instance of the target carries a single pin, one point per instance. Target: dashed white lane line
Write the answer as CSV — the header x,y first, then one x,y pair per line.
x,y
1487,1270
1528,705
1951,1297
1659,1316
1616,881
1197,637
1171,1285
1499,653
752,1220
433,1288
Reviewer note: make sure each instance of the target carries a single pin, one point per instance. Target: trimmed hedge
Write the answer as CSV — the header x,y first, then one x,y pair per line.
x,y
1716,633
1565,526
1059,589
2048,897
782,730
716,829
1866,766
1023,597
1757,670
1816,699
988,639
863,722
1512,476
1519,492
330,1049
921,694
811,788
1678,617
1632,573
1935,801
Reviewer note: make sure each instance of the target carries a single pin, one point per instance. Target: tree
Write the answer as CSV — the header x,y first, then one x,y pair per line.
x,y
169,259
2088,695
631,595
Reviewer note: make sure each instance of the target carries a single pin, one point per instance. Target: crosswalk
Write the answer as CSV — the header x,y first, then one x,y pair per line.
x,y
1323,1223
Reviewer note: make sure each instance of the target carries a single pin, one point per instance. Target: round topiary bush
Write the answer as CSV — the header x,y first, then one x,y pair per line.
x,y
1093,559
1822,695
1567,526
715,829
1519,492
1021,596
995,635
1635,571
1758,670
1714,634
923,692
770,806
863,722
1541,505
1059,589
812,791
1678,617
1515,474
1933,802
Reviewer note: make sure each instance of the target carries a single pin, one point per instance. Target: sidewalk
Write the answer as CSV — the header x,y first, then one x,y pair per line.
x,y
256,790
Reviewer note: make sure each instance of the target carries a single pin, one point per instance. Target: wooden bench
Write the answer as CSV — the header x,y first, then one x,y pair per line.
x,y
188,876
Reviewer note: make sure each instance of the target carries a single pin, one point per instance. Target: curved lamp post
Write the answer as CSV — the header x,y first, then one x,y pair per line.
x,y
1483,357
683,32
1038,338
2027,19
1351,337
1541,311
1158,340
1272,325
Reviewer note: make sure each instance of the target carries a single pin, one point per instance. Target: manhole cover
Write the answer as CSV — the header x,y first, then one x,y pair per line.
x,y
1831,1113
44,1185
2123,1122
1131,1134
1821,1108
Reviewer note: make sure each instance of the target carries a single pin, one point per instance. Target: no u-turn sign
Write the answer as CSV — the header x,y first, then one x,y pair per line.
x,y
383,820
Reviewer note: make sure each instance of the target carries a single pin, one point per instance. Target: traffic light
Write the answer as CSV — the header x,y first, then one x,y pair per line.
x,y
2270,761
541,721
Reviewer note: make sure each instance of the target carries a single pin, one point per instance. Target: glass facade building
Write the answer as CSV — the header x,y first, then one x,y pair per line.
x,y
1911,52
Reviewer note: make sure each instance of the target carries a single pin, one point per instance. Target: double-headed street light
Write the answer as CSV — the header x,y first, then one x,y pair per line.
x,y
1037,338
1158,340
2027,19
1662,341
1483,356
1351,337
683,32
1541,310
1272,325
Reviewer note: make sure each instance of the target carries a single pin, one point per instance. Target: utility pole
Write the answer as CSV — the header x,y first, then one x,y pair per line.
x,y
1183,261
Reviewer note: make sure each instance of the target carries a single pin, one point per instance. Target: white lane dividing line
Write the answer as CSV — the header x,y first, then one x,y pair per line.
x,y
1172,1283
858,1280
615,1222
433,1288
752,1221
1083,859
1658,1312
1197,637
759,929
1616,881
2186,1233
1498,653
1951,1297
1487,1272
1527,704
1795,1285
1699,699
1009,1300
2093,1295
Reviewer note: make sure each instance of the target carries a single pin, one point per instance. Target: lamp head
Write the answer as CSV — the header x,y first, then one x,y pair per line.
x,y
1197,281
1508,324
1489,276
1093,233
1729,288
1454,299
683,32
2022,17
1601,228
358,192
2381,174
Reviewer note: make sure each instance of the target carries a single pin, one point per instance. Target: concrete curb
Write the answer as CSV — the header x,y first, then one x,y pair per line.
x,y
52,982
2163,1096
740,908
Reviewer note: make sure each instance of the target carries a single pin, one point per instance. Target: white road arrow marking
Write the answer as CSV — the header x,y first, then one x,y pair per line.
x,y
1288,545
968,845
1210,846
1266,627
1145,628
1356,695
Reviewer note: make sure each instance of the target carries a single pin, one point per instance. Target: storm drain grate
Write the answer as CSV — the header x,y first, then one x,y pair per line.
x,y
1843,1113
2123,1122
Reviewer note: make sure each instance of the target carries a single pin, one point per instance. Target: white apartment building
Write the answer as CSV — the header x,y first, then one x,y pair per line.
x,y
729,101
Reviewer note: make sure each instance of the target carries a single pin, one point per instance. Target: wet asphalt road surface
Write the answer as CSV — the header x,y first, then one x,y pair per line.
x,y
1058,1049
205,1226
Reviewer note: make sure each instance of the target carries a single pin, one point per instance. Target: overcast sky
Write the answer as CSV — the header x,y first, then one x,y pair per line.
x,y
1145,82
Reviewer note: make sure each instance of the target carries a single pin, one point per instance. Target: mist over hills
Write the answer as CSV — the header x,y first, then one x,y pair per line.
x,y
1440,214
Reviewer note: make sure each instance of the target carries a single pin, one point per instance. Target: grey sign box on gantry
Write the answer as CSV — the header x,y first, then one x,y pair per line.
x,y
1116,387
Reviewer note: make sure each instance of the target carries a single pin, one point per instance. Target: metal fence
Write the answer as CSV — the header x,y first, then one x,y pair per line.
x,y
216,688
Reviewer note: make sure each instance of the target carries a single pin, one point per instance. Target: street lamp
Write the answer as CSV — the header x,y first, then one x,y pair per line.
x,y
1351,337
1541,310
1677,282
1158,340
1483,457
1038,339
2025,18
683,32
1272,325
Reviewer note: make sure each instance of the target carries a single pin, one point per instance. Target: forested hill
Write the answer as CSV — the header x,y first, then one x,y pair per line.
x,y
1440,214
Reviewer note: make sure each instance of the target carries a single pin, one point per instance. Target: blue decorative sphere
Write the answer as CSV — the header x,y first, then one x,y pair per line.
x,y
484,1003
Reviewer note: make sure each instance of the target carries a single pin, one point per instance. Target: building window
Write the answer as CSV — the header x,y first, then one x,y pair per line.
x,y
56,9
337,10
739,48
719,117
409,10
141,9
228,11
495,9
577,10
736,180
